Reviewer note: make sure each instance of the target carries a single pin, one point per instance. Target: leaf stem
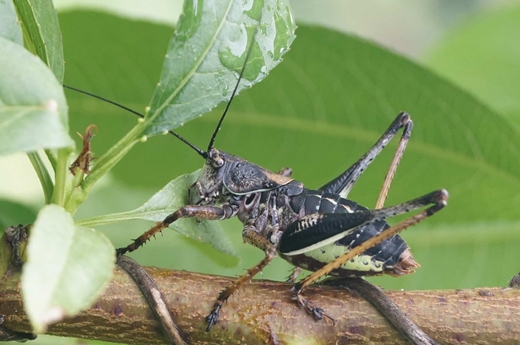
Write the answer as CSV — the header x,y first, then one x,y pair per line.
x,y
108,219
51,158
43,175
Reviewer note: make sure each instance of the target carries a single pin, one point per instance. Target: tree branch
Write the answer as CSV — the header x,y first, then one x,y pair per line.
x,y
262,313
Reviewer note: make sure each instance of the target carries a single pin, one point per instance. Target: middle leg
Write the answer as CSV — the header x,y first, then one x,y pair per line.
x,y
251,236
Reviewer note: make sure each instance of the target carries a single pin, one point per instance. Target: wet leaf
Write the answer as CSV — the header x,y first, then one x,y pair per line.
x,y
207,50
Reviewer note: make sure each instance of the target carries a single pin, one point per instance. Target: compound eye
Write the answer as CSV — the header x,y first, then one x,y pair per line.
x,y
218,162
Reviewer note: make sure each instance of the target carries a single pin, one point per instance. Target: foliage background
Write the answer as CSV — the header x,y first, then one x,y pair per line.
x,y
472,243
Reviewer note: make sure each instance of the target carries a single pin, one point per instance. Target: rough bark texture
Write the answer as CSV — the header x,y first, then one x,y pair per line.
x,y
262,313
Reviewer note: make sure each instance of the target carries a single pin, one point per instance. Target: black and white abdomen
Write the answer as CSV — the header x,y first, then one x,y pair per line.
x,y
391,256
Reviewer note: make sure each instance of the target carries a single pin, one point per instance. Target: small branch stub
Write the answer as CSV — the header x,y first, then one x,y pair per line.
x,y
82,163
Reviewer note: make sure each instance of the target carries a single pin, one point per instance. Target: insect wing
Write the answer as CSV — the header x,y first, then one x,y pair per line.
x,y
317,230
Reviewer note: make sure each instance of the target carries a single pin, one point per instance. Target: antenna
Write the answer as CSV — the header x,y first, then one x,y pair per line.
x,y
178,136
212,141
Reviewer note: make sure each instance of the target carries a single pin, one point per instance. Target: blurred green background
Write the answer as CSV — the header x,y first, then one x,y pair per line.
x,y
318,112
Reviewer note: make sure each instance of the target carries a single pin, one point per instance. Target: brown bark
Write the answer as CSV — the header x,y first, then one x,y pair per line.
x,y
262,313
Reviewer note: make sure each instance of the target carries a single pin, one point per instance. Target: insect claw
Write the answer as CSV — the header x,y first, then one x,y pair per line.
x,y
317,312
212,318
330,317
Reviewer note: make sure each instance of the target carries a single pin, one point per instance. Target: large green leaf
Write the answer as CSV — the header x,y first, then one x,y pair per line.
x,y
40,21
209,45
9,26
67,268
168,200
33,110
317,112
482,56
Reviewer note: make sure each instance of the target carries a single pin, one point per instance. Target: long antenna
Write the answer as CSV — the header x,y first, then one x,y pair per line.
x,y
249,50
199,151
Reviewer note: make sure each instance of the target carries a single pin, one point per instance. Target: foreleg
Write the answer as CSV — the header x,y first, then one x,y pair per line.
x,y
250,236
199,212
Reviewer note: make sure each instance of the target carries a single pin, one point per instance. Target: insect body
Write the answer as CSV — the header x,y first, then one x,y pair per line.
x,y
319,230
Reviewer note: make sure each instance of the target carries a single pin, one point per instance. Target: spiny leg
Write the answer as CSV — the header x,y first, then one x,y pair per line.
x,y
343,183
407,131
437,198
270,253
200,212
294,275
318,313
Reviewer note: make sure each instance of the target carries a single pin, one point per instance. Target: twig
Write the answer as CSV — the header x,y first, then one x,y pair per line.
x,y
377,298
262,313
154,298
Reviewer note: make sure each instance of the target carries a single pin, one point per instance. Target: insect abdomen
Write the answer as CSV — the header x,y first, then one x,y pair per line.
x,y
391,256
317,201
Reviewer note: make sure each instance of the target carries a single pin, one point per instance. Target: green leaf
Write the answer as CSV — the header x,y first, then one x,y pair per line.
x,y
33,110
482,56
208,48
168,200
9,26
43,35
67,269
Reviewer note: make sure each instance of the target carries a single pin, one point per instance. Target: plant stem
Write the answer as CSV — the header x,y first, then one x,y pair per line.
x,y
58,195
